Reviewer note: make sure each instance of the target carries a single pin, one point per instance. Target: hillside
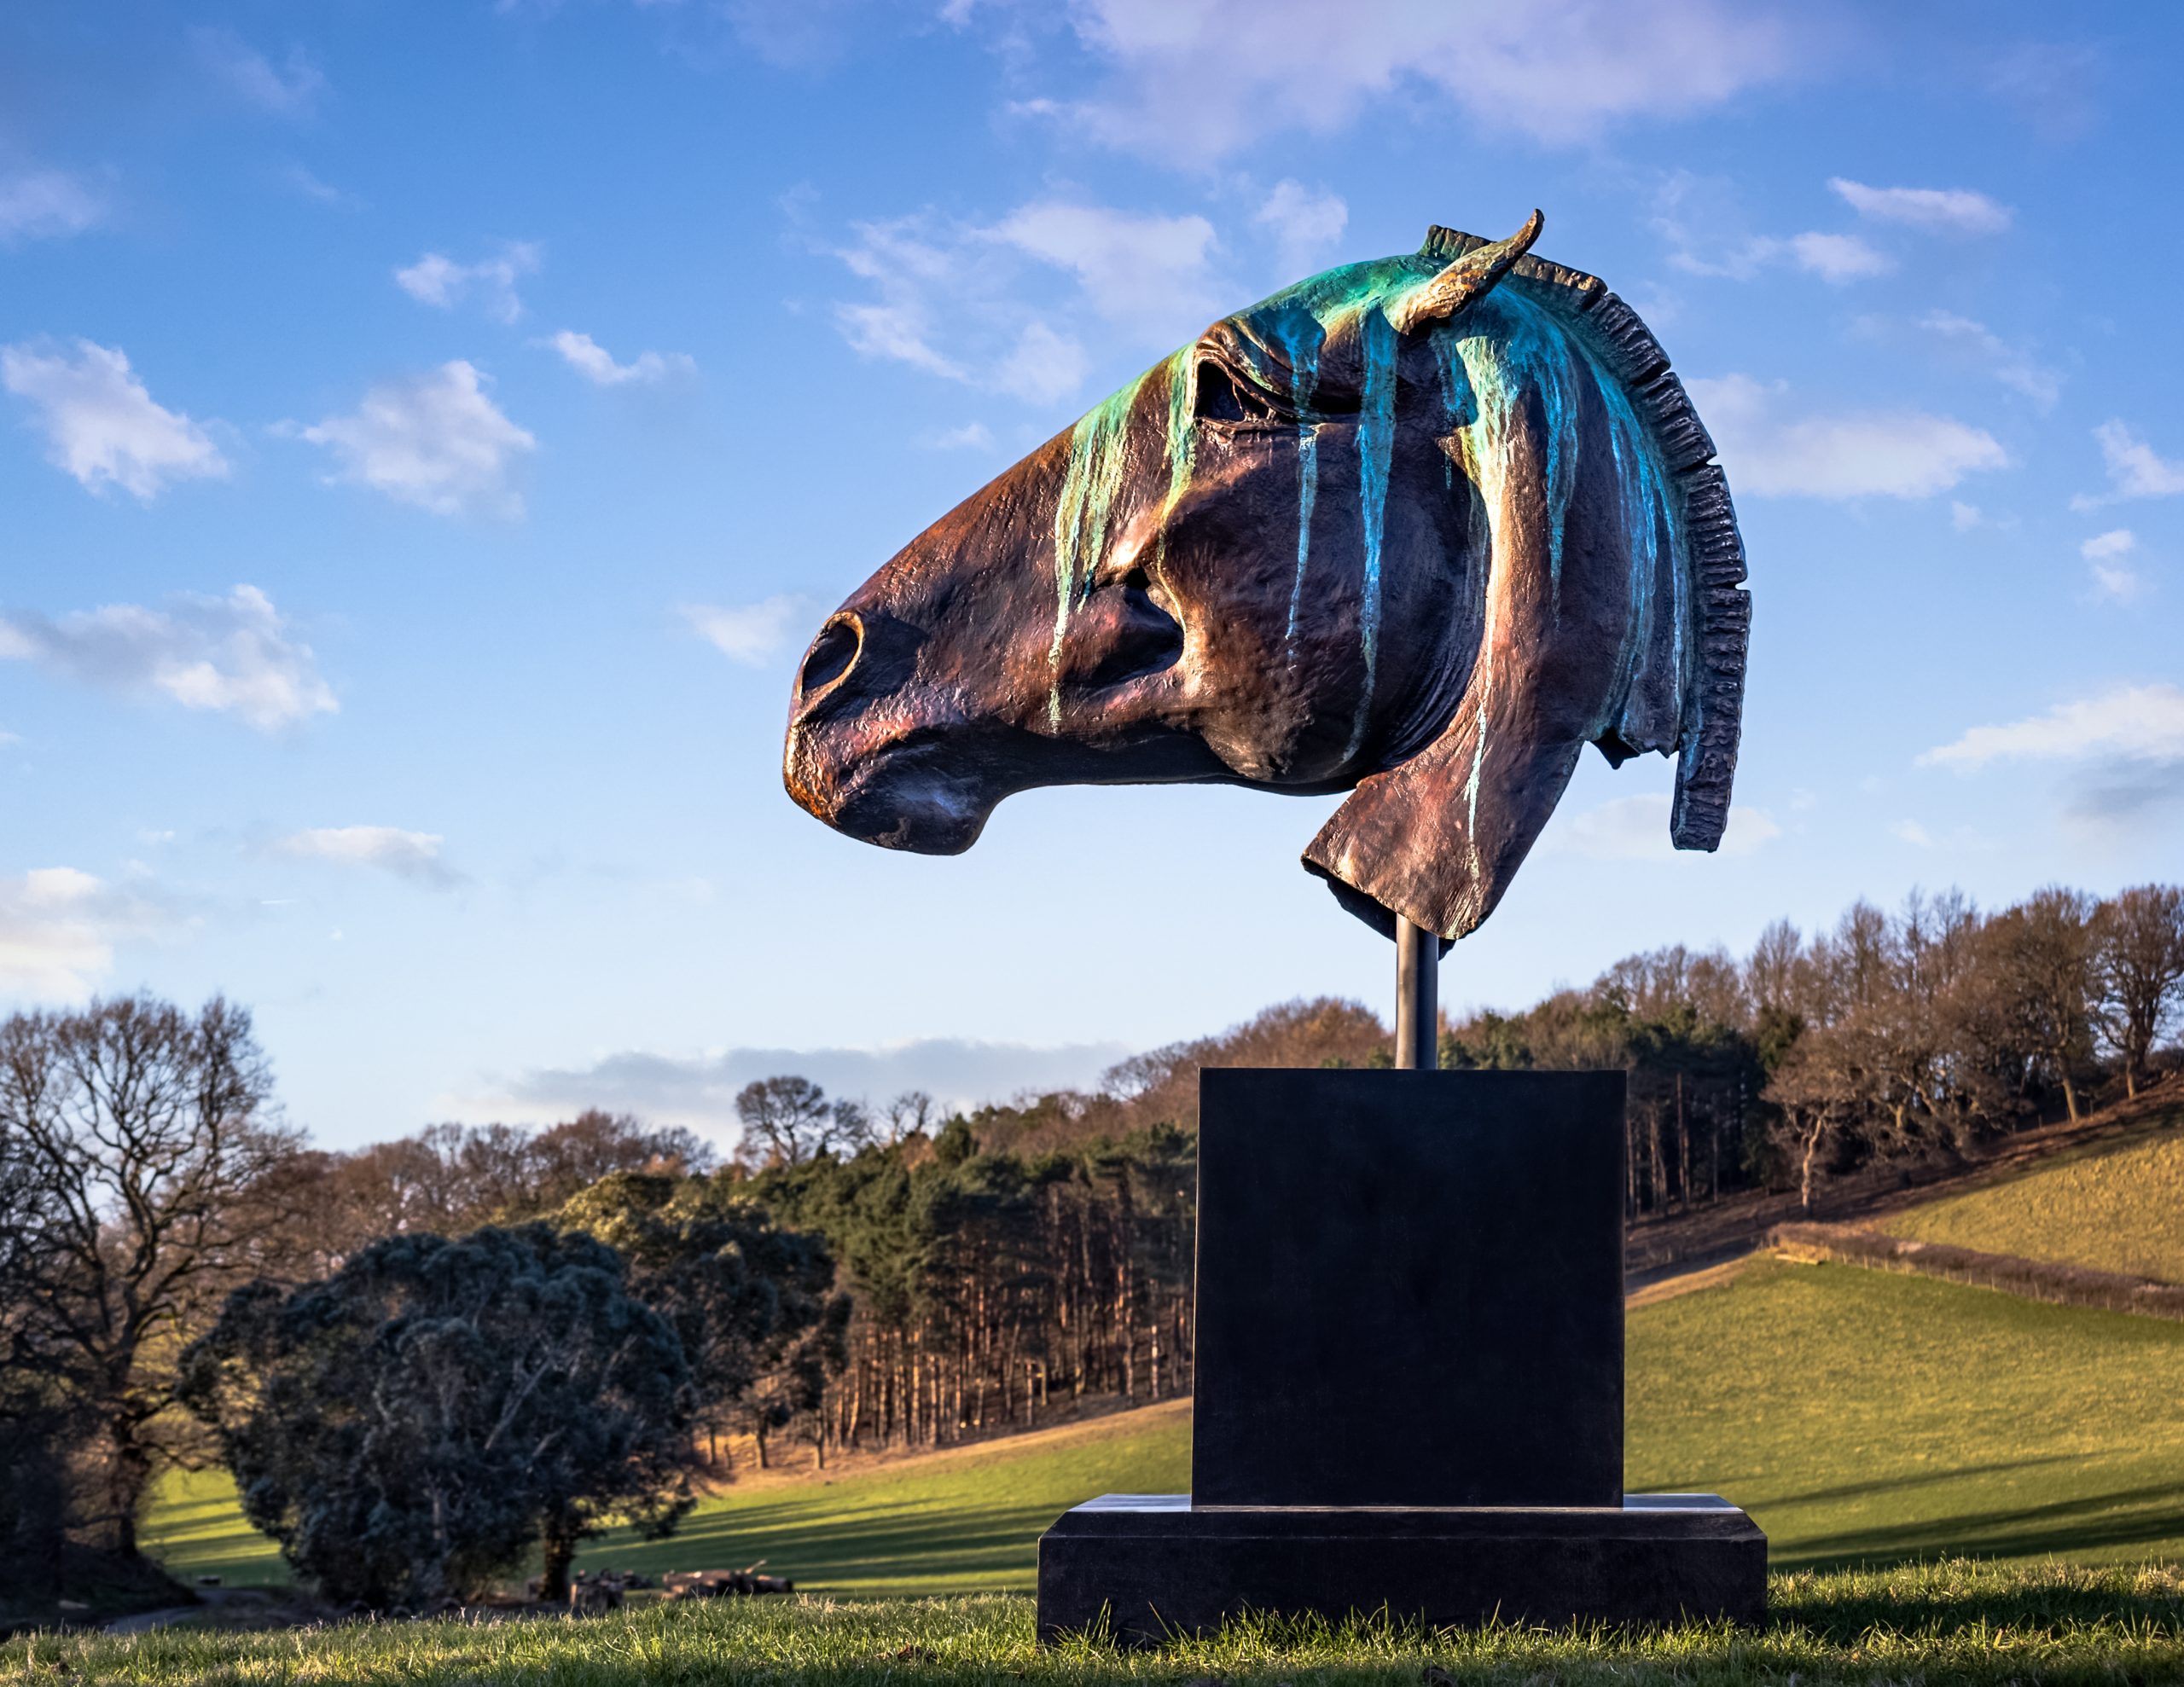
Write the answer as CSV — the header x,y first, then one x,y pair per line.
x,y
2114,1205
1858,1416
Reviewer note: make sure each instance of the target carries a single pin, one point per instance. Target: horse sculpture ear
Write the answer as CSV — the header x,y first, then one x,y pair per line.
x,y
1443,296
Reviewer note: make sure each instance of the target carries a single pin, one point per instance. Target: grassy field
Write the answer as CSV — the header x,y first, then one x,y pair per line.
x,y
1940,1625
2117,1206
1859,1415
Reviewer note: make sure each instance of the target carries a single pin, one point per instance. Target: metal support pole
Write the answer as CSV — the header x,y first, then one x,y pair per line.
x,y
1418,1017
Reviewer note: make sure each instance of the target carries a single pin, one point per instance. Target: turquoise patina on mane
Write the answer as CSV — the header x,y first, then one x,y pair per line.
x,y
1510,366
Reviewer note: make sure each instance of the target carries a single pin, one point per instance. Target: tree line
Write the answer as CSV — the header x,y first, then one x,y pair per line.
x,y
184,1280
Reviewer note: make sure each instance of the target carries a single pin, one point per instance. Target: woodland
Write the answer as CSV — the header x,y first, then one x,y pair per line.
x,y
425,1360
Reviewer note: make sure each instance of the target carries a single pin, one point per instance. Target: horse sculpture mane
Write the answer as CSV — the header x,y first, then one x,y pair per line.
x,y
1714,550
1418,529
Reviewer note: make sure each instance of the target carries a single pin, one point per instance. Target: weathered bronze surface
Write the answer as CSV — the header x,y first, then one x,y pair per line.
x,y
1420,529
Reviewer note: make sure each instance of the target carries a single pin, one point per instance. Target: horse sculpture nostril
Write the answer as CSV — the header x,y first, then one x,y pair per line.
x,y
833,653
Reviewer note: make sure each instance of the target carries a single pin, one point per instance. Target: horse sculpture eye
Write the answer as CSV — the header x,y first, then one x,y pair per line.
x,y
1223,398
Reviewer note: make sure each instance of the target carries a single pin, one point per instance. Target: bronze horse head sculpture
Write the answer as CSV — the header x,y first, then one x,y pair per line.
x,y
1420,529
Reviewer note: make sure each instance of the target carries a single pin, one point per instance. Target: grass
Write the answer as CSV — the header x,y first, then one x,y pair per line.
x,y
1858,1415
1939,1625
2113,1205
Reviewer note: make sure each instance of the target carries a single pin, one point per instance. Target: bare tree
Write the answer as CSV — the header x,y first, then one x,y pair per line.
x,y
788,1119
911,1113
144,1132
2138,939
2042,950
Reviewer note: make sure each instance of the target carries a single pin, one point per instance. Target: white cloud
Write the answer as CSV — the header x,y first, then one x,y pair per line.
x,y
1304,225
1892,453
2112,578
699,1089
2011,365
2138,723
971,437
1911,832
314,188
248,73
2136,469
1191,84
439,281
1043,367
414,855
1964,517
230,656
42,205
1837,258
434,440
752,635
1707,234
962,301
1636,828
591,360
58,927
100,422
1955,211
1149,274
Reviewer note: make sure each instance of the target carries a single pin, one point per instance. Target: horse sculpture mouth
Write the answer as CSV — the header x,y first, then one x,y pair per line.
x,y
902,796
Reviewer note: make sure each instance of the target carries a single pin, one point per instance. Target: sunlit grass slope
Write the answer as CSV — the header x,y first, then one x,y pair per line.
x,y
2114,1206
1858,1414
1948,1626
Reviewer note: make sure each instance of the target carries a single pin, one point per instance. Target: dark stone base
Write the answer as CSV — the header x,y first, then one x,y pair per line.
x,y
1151,1567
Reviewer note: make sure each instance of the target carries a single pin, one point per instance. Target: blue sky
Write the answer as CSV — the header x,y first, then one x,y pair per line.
x,y
429,433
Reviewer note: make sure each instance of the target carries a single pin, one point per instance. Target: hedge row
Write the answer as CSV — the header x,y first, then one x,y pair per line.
x,y
2066,1285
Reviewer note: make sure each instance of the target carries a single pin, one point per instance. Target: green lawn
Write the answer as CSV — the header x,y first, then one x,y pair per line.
x,y
1957,1625
2114,1206
1859,1415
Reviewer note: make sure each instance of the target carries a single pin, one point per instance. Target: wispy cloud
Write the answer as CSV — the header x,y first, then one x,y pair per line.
x,y
591,360
45,204
1636,828
1953,211
100,423
1143,271
231,656
1305,223
301,180
1771,448
2123,749
2012,365
58,927
2136,469
289,90
971,437
441,283
1193,85
967,302
434,440
698,1089
1839,257
753,634
2113,577
1703,225
2142,723
412,855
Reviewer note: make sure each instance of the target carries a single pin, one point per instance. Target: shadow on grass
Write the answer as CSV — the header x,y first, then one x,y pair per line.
x,y
2121,1518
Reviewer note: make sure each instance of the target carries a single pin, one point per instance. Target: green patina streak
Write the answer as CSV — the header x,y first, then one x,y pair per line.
x,y
1082,513
1376,439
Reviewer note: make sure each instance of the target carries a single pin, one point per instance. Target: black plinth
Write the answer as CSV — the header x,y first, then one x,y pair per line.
x,y
1140,1568
1409,1390
1409,1289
